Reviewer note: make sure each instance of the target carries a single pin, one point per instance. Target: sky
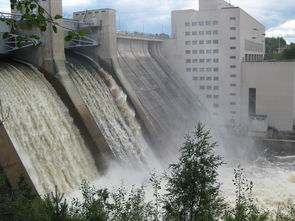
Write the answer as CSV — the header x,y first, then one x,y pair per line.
x,y
153,16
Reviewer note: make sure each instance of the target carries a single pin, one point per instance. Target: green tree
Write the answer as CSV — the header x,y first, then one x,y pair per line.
x,y
33,16
192,188
289,53
272,44
245,208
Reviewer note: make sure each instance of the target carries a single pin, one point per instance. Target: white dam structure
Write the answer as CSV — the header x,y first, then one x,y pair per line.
x,y
110,97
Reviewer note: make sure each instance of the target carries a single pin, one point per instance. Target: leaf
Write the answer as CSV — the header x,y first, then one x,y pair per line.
x,y
28,26
68,38
41,10
57,17
81,33
54,28
5,35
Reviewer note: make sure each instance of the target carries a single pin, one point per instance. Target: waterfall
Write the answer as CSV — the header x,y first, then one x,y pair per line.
x,y
42,131
113,115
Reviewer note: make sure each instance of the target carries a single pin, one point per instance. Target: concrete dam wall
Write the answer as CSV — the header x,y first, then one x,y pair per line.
x,y
166,106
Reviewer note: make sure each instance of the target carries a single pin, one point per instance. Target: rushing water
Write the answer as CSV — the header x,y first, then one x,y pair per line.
x,y
112,114
42,131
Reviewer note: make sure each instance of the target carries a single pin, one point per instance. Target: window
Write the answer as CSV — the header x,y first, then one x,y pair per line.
x,y
195,78
215,105
187,51
201,60
201,32
216,78
208,78
233,75
201,23
215,51
215,69
233,57
209,69
215,41
202,87
195,51
233,85
209,96
232,103
232,66
209,32
202,69
215,32
187,42
194,23
209,87
194,42
232,18
201,42
208,60
201,51
195,60
187,60
188,69
208,51
232,48
215,60
194,33
232,38
195,69
187,24
233,94
233,28
202,78
215,22
208,42
216,96
233,112
216,87
208,22
187,33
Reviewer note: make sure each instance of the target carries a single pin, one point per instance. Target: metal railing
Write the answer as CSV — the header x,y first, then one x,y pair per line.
x,y
143,35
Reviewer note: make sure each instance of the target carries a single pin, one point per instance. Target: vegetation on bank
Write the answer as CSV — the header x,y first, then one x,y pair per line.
x,y
191,194
277,49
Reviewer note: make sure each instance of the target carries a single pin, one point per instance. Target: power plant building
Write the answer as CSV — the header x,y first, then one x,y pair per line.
x,y
207,49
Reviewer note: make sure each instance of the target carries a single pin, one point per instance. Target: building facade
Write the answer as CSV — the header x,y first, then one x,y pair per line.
x,y
207,49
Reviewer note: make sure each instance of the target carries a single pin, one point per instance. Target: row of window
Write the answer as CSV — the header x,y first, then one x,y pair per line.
x,y
201,42
208,51
209,87
201,23
202,69
202,60
208,32
208,78
209,96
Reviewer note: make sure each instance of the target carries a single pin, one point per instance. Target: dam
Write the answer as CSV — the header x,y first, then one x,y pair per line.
x,y
74,107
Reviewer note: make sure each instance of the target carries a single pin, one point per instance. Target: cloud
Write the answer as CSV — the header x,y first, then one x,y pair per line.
x,y
74,2
285,30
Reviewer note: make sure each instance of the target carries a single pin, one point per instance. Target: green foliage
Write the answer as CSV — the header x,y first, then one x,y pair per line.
x,y
286,214
272,44
33,16
289,53
192,188
245,208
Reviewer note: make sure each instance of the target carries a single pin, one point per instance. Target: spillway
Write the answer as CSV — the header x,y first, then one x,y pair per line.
x,y
42,131
163,101
112,114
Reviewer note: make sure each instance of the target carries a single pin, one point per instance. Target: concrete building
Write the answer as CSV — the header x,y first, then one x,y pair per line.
x,y
268,96
207,49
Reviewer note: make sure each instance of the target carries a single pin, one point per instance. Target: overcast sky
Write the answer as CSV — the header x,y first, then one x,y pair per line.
x,y
153,16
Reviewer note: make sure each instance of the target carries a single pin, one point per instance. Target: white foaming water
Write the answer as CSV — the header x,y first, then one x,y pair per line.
x,y
114,117
273,184
42,131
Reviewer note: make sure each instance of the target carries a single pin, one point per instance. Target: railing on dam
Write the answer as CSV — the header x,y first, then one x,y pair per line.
x,y
142,36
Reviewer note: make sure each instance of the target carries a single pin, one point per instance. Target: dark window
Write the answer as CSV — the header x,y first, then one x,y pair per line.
x,y
252,101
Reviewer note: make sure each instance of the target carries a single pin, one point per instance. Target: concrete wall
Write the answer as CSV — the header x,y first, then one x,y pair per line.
x,y
274,83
